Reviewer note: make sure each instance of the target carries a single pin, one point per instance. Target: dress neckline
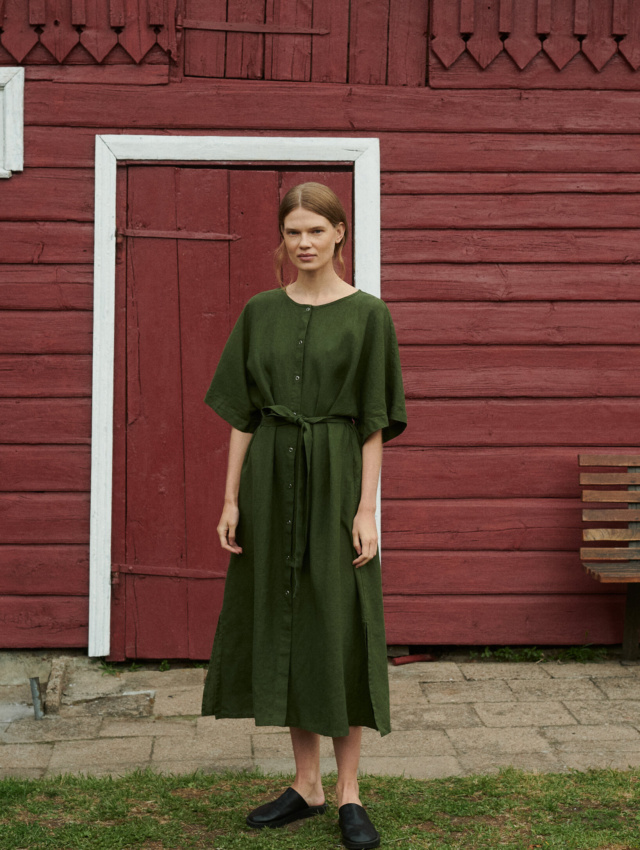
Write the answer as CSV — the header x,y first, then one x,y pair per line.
x,y
316,306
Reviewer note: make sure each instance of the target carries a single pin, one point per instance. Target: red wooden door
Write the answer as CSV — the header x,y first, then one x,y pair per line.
x,y
195,243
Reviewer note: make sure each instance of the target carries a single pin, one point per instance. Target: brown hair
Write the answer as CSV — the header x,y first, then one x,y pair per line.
x,y
317,198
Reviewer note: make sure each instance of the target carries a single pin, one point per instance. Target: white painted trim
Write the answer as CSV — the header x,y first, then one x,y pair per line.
x,y
365,156
12,120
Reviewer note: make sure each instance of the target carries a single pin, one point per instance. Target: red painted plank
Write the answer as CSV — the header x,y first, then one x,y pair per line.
x,y
44,332
523,42
288,57
30,518
518,371
145,74
44,570
599,45
511,211
245,51
155,458
483,183
446,41
511,282
368,41
97,36
501,524
204,50
24,468
204,600
407,60
503,473
522,422
46,287
556,322
504,620
42,622
447,573
194,104
18,36
510,246
137,36
45,242
329,53
156,617
59,35
484,44
49,420
47,375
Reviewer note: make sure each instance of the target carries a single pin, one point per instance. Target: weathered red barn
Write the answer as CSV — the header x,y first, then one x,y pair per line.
x,y
158,136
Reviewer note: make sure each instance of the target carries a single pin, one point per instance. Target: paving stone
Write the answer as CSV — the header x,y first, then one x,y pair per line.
x,y
75,756
595,712
597,670
276,766
554,689
113,727
18,666
278,745
25,755
523,713
52,729
434,767
496,741
444,671
492,691
429,716
620,688
204,765
169,680
497,670
414,744
578,739
89,684
119,704
483,763
11,711
401,692
184,701
196,746
613,759
231,725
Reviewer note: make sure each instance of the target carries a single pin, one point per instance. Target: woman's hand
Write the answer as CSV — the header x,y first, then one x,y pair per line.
x,y
227,528
365,536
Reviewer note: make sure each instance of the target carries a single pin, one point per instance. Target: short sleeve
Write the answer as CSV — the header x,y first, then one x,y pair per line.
x,y
232,392
381,390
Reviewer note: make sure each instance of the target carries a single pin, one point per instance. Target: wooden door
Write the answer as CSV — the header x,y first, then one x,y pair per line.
x,y
194,243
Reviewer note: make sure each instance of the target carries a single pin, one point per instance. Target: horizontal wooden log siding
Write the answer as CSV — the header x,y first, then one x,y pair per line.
x,y
511,267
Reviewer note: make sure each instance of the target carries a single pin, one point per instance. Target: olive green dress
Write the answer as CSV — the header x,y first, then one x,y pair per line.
x,y
300,640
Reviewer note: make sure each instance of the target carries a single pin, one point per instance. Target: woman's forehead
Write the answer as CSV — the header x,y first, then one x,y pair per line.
x,y
302,219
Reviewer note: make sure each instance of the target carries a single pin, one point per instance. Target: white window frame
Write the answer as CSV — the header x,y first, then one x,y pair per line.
x,y
364,153
11,120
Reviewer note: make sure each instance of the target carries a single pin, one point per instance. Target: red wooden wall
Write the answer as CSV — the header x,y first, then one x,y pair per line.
x,y
510,158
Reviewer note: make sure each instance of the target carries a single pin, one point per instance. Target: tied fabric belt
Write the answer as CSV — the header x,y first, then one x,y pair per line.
x,y
280,415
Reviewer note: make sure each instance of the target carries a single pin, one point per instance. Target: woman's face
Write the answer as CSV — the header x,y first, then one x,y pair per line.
x,y
310,239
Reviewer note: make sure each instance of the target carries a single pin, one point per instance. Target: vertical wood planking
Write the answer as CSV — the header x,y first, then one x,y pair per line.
x,y
485,43
59,35
562,44
20,37
446,41
204,50
329,53
245,51
630,44
157,617
290,54
523,42
368,41
599,45
407,59
97,36
137,36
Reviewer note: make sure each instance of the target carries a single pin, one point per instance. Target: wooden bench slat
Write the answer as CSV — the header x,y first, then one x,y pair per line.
x,y
610,496
619,553
611,515
628,573
609,460
610,478
610,534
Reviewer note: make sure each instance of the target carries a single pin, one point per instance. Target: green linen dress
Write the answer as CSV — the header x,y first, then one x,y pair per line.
x,y
300,640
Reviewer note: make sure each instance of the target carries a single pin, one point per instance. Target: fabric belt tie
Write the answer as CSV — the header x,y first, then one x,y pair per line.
x,y
280,415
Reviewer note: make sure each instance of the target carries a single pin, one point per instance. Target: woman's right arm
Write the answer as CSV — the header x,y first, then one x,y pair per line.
x,y
238,445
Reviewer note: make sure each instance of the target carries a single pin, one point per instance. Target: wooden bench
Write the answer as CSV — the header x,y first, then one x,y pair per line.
x,y
615,563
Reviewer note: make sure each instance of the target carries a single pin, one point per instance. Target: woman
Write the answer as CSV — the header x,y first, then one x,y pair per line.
x,y
310,382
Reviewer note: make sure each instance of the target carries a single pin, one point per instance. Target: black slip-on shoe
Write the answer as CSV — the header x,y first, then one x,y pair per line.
x,y
288,807
358,833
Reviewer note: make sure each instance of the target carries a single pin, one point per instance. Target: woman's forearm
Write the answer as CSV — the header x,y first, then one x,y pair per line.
x,y
371,463
238,445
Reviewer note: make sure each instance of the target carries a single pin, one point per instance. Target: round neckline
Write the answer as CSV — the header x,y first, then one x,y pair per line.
x,y
316,306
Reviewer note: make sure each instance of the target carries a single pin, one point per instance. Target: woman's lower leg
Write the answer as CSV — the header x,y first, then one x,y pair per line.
x,y
347,751
306,751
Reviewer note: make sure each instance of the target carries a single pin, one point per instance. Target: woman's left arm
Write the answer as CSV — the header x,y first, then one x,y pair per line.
x,y
365,532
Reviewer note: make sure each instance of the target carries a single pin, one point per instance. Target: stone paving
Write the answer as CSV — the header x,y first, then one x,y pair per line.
x,y
448,719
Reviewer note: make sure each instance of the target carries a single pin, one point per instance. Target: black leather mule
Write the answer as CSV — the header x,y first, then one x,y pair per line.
x,y
358,833
288,807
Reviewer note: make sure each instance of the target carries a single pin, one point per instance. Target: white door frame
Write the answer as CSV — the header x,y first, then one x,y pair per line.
x,y
365,156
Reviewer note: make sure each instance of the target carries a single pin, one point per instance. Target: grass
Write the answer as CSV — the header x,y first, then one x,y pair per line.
x,y
581,654
594,810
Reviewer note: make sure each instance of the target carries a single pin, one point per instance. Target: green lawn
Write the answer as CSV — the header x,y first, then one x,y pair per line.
x,y
596,809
